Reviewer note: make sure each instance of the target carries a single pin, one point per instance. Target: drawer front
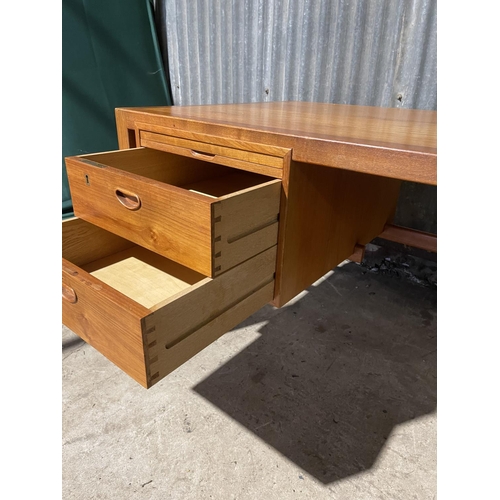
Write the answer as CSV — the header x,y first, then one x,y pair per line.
x,y
105,319
208,218
259,158
145,313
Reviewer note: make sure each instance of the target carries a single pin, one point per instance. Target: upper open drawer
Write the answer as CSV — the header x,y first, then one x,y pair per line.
x,y
207,217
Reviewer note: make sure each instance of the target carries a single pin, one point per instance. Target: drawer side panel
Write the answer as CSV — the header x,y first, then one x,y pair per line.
x,y
226,300
179,353
245,224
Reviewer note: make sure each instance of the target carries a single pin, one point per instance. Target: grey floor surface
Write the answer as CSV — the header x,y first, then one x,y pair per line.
x,y
332,396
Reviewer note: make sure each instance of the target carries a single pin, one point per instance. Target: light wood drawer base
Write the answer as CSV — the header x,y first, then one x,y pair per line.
x,y
146,313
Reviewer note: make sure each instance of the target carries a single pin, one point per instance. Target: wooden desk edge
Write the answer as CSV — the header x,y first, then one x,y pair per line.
x,y
408,165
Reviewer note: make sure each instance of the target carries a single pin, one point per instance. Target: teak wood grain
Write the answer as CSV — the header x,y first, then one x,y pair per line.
x,y
106,319
337,171
209,151
410,237
150,323
98,244
388,142
325,214
170,221
200,215
181,327
238,236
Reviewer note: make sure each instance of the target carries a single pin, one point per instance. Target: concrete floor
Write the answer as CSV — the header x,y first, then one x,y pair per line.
x,y
332,396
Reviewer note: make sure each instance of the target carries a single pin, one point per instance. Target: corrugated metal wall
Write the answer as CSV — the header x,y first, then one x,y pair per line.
x,y
367,52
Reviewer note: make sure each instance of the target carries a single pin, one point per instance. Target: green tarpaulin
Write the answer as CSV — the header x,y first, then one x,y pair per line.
x,y
110,59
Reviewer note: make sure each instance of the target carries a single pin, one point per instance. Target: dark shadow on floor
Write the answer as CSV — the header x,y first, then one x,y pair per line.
x,y
72,342
334,372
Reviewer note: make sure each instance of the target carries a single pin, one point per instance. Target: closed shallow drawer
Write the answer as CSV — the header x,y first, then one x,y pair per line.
x,y
260,158
145,313
207,217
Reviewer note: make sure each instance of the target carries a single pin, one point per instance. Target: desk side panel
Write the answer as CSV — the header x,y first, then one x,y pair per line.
x,y
326,212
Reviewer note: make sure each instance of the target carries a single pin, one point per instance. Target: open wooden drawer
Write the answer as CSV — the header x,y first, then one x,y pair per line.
x,y
148,314
205,216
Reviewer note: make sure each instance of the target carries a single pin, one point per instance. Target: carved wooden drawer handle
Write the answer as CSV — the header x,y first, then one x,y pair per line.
x,y
69,294
128,200
203,156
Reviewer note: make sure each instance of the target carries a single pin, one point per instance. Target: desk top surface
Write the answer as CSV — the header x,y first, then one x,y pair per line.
x,y
392,142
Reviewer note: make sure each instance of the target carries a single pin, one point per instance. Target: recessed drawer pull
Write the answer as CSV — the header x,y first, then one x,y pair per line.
x,y
69,294
203,156
128,200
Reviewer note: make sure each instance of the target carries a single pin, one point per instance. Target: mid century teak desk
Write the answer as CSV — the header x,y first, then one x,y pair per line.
x,y
207,213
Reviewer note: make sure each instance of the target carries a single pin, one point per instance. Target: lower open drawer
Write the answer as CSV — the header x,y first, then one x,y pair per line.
x,y
145,313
